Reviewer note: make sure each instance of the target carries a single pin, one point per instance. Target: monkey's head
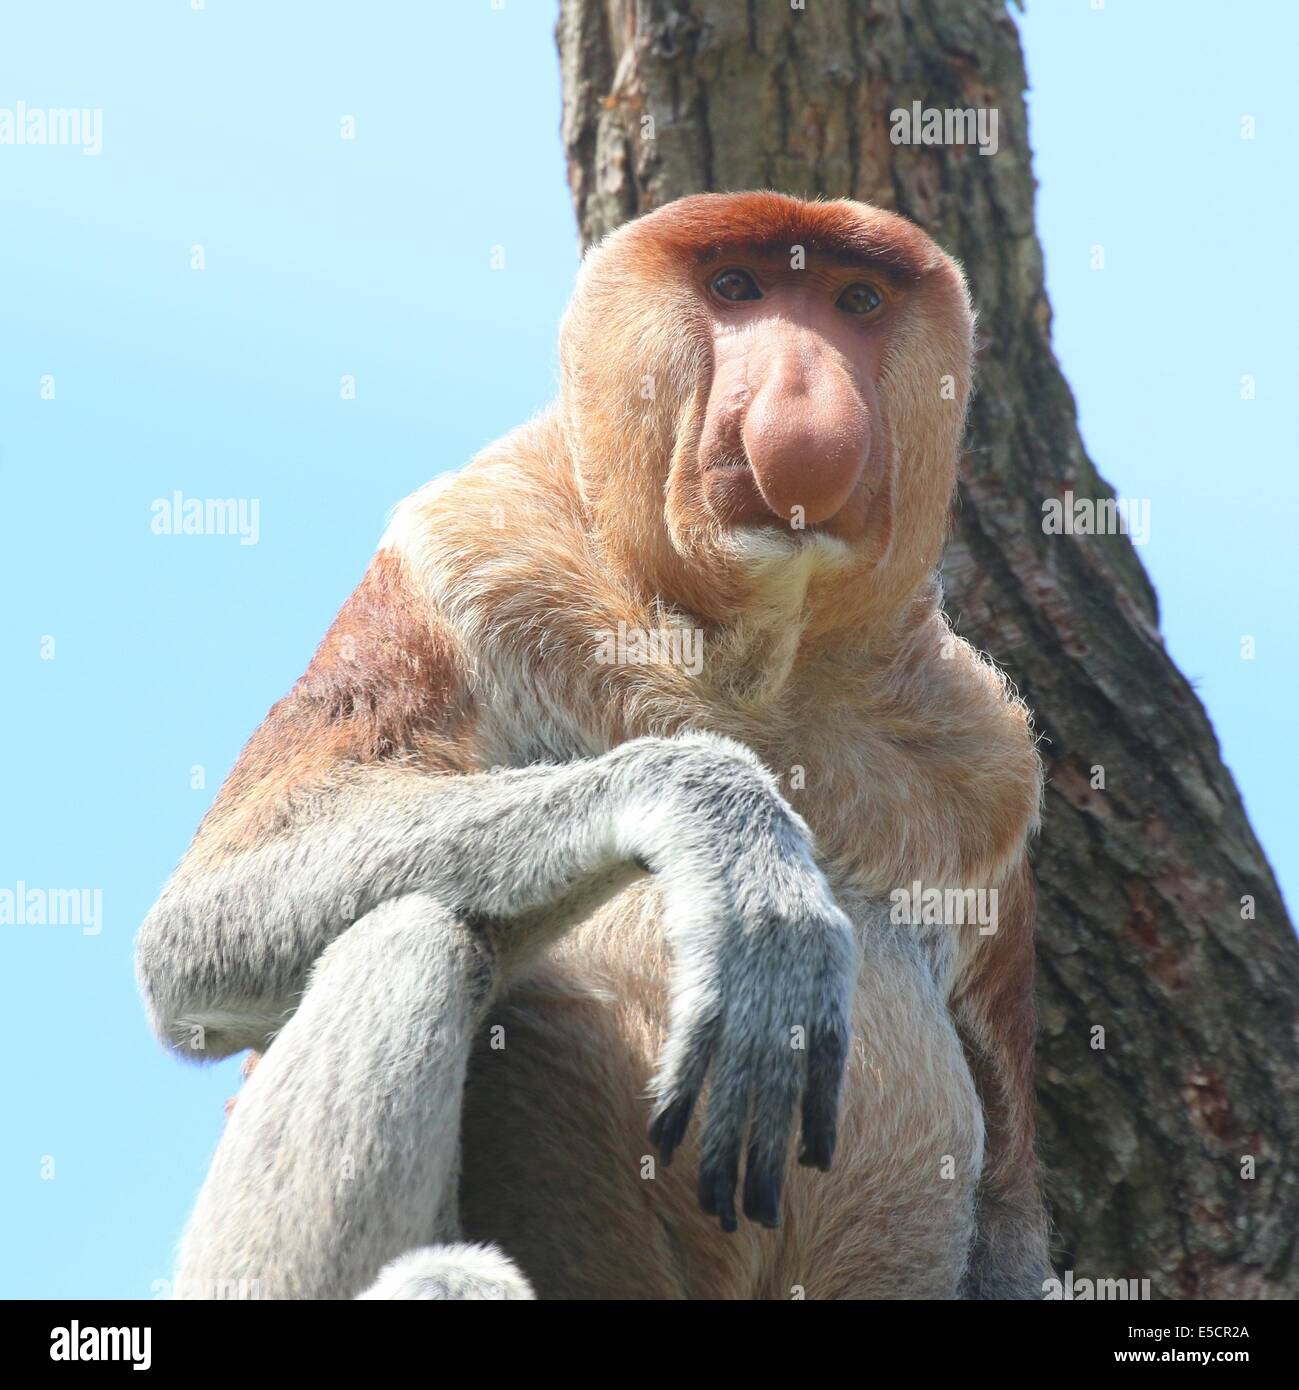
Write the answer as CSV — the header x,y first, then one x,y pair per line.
x,y
753,385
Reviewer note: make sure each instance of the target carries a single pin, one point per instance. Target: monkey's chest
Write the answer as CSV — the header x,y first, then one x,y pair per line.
x,y
558,1170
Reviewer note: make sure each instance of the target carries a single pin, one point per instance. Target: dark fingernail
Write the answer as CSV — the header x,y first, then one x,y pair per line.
x,y
717,1195
762,1198
668,1128
818,1150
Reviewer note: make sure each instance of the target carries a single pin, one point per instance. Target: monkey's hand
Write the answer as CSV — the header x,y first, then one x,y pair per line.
x,y
764,966
763,960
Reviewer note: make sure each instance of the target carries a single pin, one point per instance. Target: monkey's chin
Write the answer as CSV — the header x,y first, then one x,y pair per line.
x,y
772,547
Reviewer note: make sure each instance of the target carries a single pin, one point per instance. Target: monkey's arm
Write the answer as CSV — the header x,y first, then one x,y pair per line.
x,y
761,952
996,1020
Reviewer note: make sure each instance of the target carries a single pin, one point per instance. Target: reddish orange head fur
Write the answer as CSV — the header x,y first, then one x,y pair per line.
x,y
801,372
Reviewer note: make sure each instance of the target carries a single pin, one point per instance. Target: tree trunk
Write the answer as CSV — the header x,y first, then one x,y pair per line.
x,y
1142,932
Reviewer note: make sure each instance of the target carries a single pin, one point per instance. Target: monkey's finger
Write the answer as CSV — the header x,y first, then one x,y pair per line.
x,y
762,1188
679,1081
717,1182
826,1059
775,1099
668,1126
724,1124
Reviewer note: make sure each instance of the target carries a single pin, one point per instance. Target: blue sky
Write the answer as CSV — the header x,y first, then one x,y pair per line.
x,y
370,258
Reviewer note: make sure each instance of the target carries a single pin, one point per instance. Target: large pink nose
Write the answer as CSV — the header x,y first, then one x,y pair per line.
x,y
807,434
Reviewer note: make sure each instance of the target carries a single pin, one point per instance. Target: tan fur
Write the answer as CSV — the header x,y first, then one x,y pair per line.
x,y
581,1038
903,748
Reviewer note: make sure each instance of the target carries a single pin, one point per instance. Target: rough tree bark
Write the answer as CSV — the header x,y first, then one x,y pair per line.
x,y
1141,929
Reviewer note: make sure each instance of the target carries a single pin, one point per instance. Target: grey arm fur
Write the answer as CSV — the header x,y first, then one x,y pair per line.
x,y
449,884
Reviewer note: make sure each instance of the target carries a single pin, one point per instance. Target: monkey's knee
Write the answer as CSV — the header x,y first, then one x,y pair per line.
x,y
344,1151
456,1273
412,941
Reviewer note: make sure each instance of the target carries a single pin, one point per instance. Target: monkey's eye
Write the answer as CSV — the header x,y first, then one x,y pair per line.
x,y
859,299
735,285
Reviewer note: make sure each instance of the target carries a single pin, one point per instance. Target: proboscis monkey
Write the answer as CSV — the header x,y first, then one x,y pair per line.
x,y
607,790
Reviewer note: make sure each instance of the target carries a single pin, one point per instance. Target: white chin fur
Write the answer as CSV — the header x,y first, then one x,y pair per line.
x,y
763,547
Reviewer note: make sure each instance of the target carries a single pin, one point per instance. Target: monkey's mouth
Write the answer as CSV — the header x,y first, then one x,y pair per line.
x,y
735,499
732,494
